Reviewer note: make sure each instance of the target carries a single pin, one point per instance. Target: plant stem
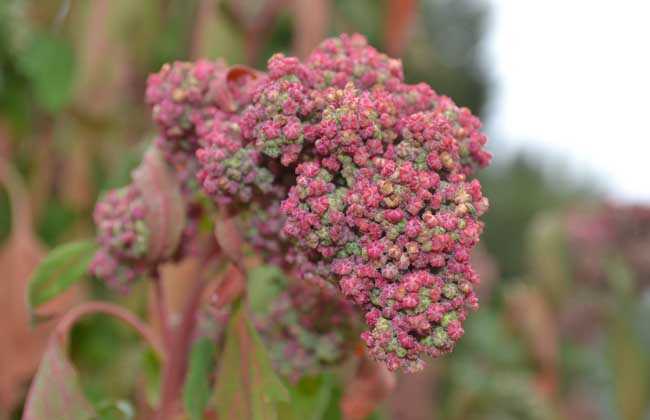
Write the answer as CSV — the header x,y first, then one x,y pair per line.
x,y
179,345
162,311
95,307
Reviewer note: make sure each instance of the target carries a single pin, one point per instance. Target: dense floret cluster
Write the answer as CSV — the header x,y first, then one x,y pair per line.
x,y
351,178
381,204
123,237
308,327
229,171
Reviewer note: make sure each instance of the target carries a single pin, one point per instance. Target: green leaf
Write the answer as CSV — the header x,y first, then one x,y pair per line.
x,y
265,282
196,392
56,392
247,387
60,269
49,64
310,398
152,374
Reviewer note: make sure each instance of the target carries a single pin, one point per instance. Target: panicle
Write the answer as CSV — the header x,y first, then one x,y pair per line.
x,y
122,236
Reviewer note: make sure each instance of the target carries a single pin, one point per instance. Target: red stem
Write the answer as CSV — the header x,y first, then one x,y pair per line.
x,y
94,307
162,312
179,345
255,28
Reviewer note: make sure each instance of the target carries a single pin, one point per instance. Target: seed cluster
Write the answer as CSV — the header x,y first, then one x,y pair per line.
x,y
122,236
350,178
381,204
308,328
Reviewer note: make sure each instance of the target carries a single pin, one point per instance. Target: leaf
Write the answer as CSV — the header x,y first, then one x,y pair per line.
x,y
264,283
228,81
49,64
152,374
60,269
247,387
165,206
22,345
196,392
310,398
56,392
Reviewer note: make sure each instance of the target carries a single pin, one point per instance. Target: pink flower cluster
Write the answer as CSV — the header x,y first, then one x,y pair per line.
x,y
308,327
352,177
381,205
123,237
197,106
183,97
229,171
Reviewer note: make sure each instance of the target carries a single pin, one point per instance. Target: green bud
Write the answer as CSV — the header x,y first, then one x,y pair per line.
x,y
383,324
401,352
449,290
393,345
440,337
447,318
427,341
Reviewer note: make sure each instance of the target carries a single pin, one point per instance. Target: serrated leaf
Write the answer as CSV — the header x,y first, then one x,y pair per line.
x,y
49,64
197,390
56,392
60,269
165,206
247,387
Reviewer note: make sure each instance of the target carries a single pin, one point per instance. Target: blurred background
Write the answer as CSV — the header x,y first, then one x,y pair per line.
x,y
561,86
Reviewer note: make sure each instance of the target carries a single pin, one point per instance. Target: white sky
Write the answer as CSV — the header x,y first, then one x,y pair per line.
x,y
572,77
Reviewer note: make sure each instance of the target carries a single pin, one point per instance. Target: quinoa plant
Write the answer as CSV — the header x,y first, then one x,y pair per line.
x,y
356,185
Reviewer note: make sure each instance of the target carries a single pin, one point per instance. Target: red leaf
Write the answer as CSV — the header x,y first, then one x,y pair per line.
x,y
166,209
225,85
247,387
56,392
236,73
22,344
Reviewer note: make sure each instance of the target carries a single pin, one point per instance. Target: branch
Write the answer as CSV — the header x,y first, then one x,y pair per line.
x,y
95,307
